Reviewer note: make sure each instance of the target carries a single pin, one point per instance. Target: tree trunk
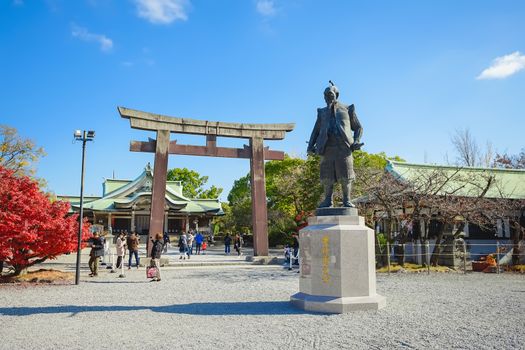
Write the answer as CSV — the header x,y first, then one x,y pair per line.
x,y
423,251
22,269
389,229
19,270
380,256
516,241
400,256
437,247
459,229
422,241
400,252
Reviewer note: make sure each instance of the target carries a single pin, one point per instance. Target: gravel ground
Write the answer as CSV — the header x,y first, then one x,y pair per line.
x,y
248,308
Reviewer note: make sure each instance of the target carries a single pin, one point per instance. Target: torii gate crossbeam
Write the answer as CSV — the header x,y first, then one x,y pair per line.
x,y
162,146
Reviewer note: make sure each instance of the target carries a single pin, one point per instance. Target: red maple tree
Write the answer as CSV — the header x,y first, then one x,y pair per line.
x,y
33,228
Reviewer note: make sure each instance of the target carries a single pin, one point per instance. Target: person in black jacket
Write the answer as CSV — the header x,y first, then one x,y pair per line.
x,y
227,243
295,246
166,239
97,250
156,251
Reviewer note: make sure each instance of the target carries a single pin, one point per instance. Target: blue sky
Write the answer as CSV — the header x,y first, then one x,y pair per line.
x,y
416,71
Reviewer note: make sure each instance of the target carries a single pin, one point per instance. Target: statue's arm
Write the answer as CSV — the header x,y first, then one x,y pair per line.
x,y
355,125
313,136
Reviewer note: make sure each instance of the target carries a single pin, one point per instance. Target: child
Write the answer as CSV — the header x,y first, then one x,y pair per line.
x,y
287,254
203,248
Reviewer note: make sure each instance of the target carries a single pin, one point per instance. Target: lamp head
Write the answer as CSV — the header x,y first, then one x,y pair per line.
x,y
77,134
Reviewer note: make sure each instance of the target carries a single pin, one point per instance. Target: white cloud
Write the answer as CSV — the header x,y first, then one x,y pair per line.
x,y
163,11
504,66
266,7
105,43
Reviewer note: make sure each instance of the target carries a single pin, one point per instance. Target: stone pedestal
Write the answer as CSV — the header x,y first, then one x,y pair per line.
x,y
337,258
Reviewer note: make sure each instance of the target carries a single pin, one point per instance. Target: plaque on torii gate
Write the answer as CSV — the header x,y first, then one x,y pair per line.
x,y
162,146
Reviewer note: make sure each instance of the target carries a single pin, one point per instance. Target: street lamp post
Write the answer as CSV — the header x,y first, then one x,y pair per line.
x,y
83,136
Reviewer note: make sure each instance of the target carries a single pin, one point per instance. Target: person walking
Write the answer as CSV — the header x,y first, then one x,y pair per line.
x,y
97,250
190,243
295,246
183,246
237,244
121,248
133,247
166,240
156,251
105,254
199,238
287,255
227,243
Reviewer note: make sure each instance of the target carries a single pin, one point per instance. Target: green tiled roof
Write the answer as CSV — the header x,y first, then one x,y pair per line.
x,y
199,207
111,185
176,186
76,199
509,183
100,205
117,194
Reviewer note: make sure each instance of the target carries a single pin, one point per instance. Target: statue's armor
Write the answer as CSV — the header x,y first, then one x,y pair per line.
x,y
336,134
332,138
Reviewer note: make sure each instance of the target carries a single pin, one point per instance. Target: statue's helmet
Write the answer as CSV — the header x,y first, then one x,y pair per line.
x,y
332,88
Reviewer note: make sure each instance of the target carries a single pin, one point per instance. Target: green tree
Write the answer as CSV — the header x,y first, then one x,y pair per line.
x,y
240,202
212,192
222,223
240,190
17,153
281,187
366,165
193,183
293,188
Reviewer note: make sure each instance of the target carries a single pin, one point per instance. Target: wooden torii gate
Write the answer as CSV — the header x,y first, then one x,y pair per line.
x,y
162,146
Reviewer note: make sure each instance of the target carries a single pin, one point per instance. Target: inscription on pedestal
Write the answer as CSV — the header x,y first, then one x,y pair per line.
x,y
325,251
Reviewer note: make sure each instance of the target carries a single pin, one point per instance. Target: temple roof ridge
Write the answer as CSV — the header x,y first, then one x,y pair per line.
x,y
510,183
129,193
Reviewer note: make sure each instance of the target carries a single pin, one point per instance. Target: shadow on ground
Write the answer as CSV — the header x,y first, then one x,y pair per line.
x,y
205,309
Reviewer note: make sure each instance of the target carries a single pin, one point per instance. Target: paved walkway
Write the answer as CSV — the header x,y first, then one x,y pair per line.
x,y
214,256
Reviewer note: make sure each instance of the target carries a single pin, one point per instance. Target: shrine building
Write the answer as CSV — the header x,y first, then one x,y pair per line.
x,y
126,205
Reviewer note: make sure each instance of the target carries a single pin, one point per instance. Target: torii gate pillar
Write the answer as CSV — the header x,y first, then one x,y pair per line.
x,y
258,184
158,191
